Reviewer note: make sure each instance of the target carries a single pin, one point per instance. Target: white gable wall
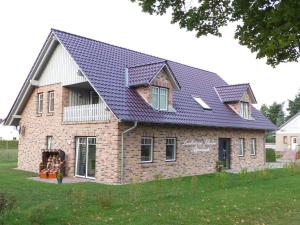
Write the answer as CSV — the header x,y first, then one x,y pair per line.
x,y
61,68
291,127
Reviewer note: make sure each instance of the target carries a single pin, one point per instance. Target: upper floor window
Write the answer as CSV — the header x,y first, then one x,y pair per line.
x,y
244,110
160,98
94,98
40,103
51,101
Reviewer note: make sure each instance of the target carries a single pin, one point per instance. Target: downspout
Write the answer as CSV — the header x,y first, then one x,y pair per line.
x,y
122,150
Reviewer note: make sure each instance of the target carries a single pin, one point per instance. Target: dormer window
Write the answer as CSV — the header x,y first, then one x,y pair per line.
x,y
159,98
244,110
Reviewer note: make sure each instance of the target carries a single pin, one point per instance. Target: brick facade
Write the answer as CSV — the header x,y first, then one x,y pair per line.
x,y
38,126
188,162
108,143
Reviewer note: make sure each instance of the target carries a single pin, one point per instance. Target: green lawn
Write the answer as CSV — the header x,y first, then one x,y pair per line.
x,y
265,197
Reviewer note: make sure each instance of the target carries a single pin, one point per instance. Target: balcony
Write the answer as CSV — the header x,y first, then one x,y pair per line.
x,y
85,113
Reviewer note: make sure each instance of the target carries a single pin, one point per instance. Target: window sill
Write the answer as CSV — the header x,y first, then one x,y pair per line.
x,y
240,156
146,164
171,162
39,114
50,113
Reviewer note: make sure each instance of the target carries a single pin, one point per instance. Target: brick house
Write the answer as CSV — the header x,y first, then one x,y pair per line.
x,y
121,115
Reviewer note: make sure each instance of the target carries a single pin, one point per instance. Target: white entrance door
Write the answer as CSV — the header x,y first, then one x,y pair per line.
x,y
85,157
294,143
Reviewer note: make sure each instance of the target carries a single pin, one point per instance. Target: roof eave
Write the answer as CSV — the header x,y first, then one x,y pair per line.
x,y
38,66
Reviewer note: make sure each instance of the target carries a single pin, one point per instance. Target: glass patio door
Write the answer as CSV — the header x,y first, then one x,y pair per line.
x,y
85,157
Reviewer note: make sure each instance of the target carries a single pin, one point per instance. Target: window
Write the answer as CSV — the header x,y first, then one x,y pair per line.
x,y
94,98
253,146
171,149
146,149
241,146
202,103
40,103
244,111
284,139
49,142
51,101
159,98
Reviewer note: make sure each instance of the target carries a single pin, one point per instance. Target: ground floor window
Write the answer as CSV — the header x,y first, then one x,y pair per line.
x,y
85,157
171,149
146,149
241,146
253,146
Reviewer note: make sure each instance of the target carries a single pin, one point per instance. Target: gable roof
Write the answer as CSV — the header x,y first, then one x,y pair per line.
x,y
144,74
290,120
234,93
103,65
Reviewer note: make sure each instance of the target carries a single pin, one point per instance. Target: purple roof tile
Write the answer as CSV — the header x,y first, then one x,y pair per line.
x,y
143,74
104,66
232,93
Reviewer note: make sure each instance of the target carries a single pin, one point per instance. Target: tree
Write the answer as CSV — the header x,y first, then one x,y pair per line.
x,y
274,113
294,106
271,28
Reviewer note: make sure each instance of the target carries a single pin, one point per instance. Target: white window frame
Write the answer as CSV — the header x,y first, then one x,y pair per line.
x,y
151,150
49,142
175,149
51,101
241,147
244,110
253,146
40,102
158,97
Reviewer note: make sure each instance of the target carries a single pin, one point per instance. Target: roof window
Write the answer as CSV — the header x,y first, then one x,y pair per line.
x,y
201,102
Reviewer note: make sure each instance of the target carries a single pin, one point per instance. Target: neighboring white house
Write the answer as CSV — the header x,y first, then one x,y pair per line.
x,y
288,135
8,133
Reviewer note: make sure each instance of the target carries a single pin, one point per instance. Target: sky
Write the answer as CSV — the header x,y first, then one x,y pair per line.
x,y
26,24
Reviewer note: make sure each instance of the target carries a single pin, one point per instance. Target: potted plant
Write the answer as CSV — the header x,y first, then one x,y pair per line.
x,y
219,166
59,177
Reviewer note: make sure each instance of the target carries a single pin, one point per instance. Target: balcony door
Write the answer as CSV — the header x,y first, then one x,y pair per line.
x,y
85,157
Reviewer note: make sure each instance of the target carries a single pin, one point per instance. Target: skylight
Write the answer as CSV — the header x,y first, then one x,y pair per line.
x,y
201,102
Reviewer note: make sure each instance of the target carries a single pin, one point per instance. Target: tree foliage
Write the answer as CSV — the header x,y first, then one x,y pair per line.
x,y
274,113
294,106
271,28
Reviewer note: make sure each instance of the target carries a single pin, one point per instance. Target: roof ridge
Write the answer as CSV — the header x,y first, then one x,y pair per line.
x,y
91,39
147,64
232,85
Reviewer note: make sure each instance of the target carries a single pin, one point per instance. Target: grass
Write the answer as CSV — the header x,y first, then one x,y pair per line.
x,y
270,197
270,155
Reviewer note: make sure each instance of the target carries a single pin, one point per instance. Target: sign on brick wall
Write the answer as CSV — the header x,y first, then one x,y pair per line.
x,y
202,145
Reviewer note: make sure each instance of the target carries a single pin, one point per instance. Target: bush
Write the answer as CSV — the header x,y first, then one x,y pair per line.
x,y
270,155
270,138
